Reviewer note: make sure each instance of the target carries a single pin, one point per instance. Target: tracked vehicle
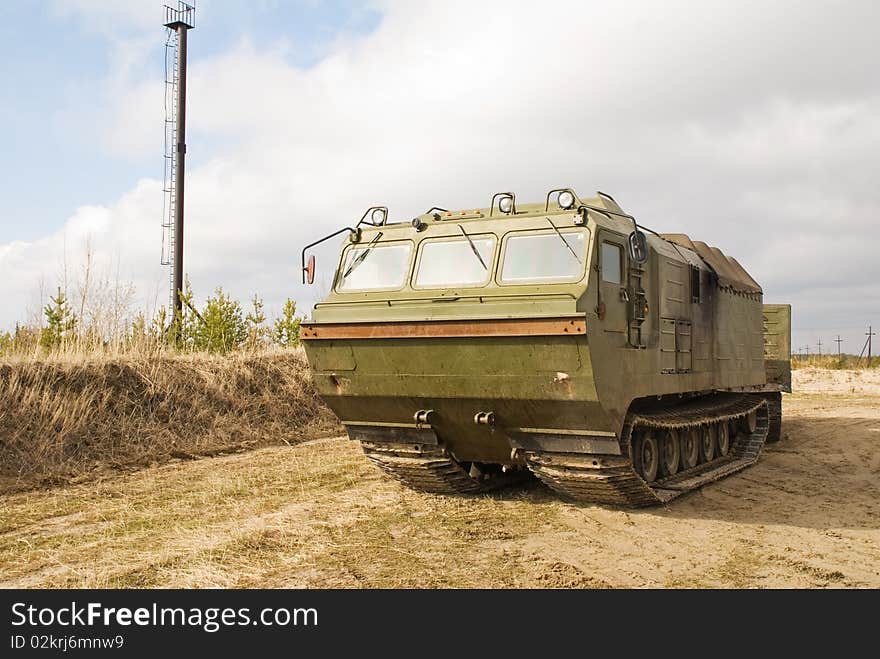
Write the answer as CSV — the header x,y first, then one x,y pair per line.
x,y
466,349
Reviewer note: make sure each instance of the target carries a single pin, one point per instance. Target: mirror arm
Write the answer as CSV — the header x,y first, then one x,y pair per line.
x,y
318,242
607,212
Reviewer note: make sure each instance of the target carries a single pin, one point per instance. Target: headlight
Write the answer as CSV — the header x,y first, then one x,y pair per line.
x,y
379,215
505,204
565,199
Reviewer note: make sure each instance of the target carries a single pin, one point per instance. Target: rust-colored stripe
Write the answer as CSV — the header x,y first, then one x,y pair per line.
x,y
441,328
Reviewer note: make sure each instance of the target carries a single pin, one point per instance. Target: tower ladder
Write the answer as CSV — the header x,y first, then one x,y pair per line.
x,y
169,185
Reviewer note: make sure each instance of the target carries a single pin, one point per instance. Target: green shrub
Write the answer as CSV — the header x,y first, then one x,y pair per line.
x,y
286,329
60,321
220,327
258,335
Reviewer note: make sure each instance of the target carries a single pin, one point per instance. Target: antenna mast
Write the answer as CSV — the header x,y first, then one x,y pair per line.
x,y
178,21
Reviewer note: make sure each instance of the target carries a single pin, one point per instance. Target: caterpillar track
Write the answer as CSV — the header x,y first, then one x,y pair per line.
x,y
609,480
432,469
615,481
774,406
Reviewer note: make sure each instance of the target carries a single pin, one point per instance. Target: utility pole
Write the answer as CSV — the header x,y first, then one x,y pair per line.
x,y
180,20
838,341
820,346
870,333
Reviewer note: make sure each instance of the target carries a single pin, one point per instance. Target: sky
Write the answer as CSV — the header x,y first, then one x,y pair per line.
x,y
752,126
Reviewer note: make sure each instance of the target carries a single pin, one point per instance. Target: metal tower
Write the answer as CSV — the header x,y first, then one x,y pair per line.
x,y
178,21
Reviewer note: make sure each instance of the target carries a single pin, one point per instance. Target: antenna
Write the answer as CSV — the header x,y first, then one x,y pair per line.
x,y
179,20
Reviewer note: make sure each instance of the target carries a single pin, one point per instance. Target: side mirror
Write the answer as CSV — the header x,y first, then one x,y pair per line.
x,y
638,247
309,270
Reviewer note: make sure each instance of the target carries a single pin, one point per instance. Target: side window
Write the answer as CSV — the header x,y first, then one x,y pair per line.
x,y
695,285
612,260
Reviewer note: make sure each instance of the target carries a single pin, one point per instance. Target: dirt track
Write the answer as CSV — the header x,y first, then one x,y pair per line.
x,y
318,515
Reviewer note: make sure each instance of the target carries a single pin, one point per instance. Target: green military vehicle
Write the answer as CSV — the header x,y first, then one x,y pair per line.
x,y
466,349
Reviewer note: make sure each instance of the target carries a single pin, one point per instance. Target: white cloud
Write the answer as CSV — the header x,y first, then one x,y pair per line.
x,y
109,18
751,126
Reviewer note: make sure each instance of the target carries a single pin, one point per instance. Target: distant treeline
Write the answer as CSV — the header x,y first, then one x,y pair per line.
x,y
103,323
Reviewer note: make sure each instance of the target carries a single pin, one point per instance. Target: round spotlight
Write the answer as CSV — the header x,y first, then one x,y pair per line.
x,y
505,204
378,216
565,200
418,225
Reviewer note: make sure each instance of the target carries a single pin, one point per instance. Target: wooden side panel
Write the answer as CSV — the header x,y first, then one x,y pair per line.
x,y
777,344
446,328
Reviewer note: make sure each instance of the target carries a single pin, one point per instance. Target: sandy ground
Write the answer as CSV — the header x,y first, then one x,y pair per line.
x,y
319,515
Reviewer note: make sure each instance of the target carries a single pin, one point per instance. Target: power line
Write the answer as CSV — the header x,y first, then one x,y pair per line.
x,y
870,333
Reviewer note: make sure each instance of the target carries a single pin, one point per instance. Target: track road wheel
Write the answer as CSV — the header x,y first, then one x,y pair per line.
x,y
669,453
723,436
690,448
647,456
751,421
733,426
707,442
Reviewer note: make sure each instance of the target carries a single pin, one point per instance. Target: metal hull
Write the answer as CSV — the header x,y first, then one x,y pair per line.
x,y
453,390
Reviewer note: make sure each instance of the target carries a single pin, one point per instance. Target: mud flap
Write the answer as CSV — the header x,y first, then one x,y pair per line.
x,y
550,442
393,434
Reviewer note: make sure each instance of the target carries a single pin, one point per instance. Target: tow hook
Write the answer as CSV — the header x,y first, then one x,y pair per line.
x,y
485,419
423,418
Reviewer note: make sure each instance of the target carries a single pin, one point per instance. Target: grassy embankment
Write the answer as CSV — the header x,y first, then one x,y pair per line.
x,y
75,416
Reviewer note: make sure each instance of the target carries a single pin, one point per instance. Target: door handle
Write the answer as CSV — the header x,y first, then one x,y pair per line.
x,y
624,295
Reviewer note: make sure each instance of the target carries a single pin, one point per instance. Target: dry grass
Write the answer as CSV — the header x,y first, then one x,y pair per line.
x,y
74,416
833,362
320,515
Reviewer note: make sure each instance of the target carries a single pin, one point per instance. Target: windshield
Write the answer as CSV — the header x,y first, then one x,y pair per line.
x,y
446,262
545,257
374,267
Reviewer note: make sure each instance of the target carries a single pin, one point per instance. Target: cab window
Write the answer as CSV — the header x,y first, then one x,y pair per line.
x,y
546,257
612,262
455,261
375,267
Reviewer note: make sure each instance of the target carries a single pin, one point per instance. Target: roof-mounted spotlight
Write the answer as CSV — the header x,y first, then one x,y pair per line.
x,y
505,202
565,199
378,216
